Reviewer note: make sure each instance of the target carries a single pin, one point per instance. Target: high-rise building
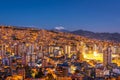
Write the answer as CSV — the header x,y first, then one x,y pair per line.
x,y
118,50
114,48
67,49
107,58
51,49
80,56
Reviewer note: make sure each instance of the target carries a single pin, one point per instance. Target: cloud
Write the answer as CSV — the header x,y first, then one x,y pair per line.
x,y
59,28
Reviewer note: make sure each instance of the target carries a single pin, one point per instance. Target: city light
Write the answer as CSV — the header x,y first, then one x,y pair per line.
x,y
56,54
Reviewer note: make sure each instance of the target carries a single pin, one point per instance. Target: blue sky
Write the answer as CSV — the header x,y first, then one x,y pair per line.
x,y
92,15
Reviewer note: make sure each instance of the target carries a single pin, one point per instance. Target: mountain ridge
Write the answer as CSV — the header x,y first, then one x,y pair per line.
x,y
96,35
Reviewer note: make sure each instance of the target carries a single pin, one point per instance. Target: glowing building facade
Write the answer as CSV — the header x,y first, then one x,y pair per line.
x,y
107,56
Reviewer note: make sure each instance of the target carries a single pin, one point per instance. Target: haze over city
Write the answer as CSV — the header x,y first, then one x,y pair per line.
x,y
91,15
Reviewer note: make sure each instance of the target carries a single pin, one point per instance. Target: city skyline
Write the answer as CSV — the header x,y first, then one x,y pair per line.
x,y
91,15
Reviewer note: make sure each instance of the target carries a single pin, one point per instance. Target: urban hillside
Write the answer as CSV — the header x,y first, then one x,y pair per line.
x,y
27,51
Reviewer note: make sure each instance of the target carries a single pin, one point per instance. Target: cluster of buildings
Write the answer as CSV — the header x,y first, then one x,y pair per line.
x,y
57,54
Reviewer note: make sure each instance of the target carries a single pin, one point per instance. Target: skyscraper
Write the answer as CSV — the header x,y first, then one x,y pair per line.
x,y
107,58
67,49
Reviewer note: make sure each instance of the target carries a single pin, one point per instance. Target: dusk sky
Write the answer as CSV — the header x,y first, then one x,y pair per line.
x,y
92,15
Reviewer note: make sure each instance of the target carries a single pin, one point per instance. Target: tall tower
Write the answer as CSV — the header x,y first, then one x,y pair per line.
x,y
67,49
80,56
107,58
